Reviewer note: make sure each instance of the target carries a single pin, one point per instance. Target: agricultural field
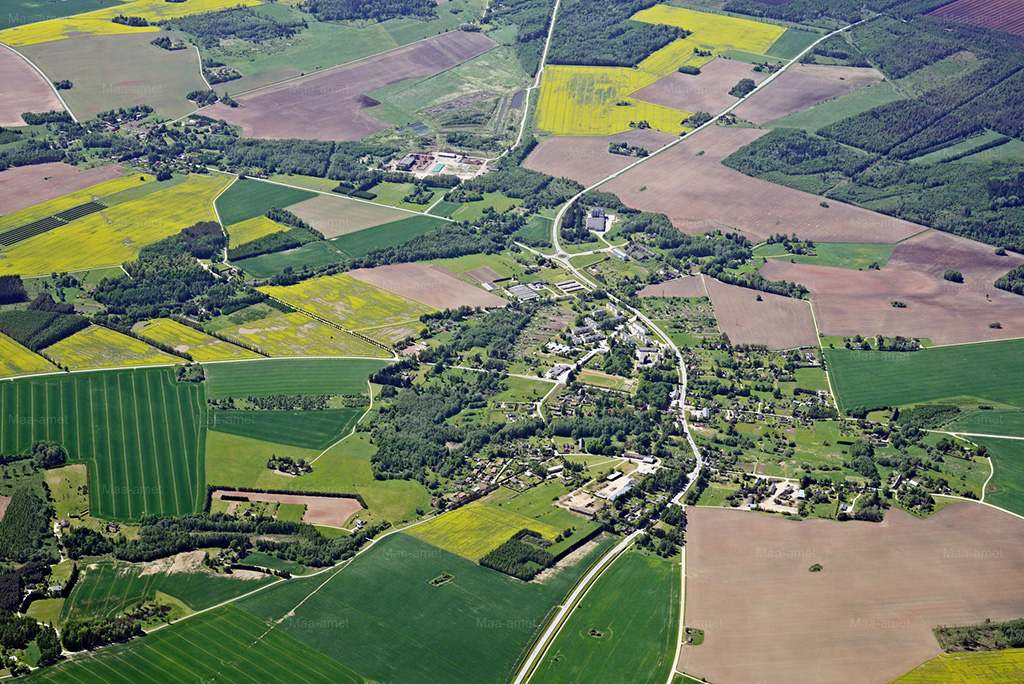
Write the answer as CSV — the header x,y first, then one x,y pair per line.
x,y
113,235
989,422
431,285
327,511
310,255
706,92
1001,15
473,531
290,376
200,346
923,573
246,199
46,206
832,111
587,160
251,229
19,12
608,639
24,90
716,31
1006,488
297,334
776,321
140,432
17,360
23,187
803,86
97,347
853,255
111,71
305,429
336,216
358,244
991,667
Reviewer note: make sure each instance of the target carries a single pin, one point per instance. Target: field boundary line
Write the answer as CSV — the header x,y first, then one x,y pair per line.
x,y
216,214
682,611
351,432
49,82
982,503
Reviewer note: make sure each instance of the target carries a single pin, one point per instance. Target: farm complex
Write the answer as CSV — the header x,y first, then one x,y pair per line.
x,y
512,341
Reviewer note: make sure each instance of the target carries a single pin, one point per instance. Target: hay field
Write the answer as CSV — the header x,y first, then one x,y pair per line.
x,y
22,187
716,31
17,360
473,531
116,234
98,347
297,334
882,590
22,89
199,346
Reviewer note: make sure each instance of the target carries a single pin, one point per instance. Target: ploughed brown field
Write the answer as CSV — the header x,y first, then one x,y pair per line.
x,y
334,216
331,104
698,193
332,511
706,92
776,321
587,159
867,617
681,287
22,89
22,187
1002,15
848,302
428,284
803,86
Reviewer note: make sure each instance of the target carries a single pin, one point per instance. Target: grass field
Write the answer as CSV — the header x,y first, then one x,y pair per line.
x,y
98,347
792,43
717,31
894,379
473,531
306,429
610,638
251,229
116,234
312,254
69,490
297,334
484,613
17,360
358,244
234,644
350,303
140,432
992,667
247,199
200,346
855,255
290,376
831,111
1007,484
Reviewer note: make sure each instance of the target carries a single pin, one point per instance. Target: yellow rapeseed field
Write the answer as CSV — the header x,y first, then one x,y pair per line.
x,y
99,22
473,531
674,55
116,234
992,667
296,334
98,347
716,31
578,100
250,230
92,193
198,345
17,360
350,303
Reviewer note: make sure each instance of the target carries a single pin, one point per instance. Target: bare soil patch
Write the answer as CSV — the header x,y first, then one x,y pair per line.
x,y
708,91
776,321
1001,15
680,287
331,104
484,274
587,159
332,511
22,89
428,284
5,501
803,86
22,187
334,216
848,302
692,188
867,616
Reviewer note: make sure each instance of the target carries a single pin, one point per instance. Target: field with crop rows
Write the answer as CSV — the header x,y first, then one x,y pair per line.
x,y
247,199
1006,488
290,376
305,429
140,431
473,531
359,243
309,255
993,667
17,360
297,334
200,346
97,347
115,234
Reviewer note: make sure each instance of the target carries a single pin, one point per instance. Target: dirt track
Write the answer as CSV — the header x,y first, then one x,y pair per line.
x,y
867,617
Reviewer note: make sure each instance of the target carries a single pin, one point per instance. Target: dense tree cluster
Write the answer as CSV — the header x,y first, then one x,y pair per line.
x,y
1012,281
489,235
826,13
537,190
595,33
26,526
12,290
240,23
39,329
376,10
519,558
80,634
532,19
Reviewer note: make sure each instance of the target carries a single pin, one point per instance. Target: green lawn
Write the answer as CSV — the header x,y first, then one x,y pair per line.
x,y
979,371
290,376
358,244
831,111
853,255
381,616
306,429
247,198
1007,484
141,433
269,265
624,629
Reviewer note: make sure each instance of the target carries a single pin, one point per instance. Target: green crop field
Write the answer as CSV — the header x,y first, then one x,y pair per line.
x,y
247,198
268,265
612,638
473,531
305,429
792,43
991,667
140,431
358,244
227,645
1006,489
484,613
290,376
994,422
894,379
